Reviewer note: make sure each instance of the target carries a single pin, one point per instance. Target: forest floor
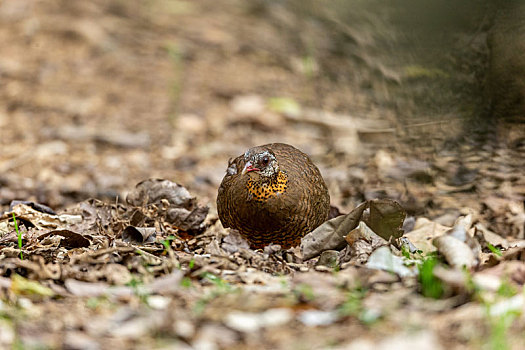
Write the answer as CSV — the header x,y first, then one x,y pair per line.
x,y
98,96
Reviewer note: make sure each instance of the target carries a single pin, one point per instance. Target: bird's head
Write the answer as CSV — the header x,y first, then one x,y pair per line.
x,y
260,162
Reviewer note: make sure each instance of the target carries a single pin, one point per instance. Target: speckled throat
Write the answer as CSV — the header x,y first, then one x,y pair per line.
x,y
260,191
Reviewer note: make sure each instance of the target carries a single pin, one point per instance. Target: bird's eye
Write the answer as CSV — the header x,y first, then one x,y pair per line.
x,y
265,160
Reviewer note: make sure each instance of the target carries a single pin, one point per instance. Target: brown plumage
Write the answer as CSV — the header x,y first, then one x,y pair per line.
x,y
273,194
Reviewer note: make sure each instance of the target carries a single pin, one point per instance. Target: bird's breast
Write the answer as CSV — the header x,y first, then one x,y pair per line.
x,y
260,192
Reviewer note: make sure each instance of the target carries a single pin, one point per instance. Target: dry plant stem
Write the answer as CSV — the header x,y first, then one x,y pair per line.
x,y
19,237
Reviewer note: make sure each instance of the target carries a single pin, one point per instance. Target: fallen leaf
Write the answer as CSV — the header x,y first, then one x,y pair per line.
x,y
139,235
458,246
424,231
182,212
487,236
362,241
383,259
37,206
385,215
331,234
457,253
70,239
386,218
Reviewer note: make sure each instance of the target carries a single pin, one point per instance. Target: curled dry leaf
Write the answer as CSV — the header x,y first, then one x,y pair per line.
x,y
423,233
34,217
189,221
458,246
70,239
365,233
37,206
153,191
183,211
331,234
456,252
461,227
362,241
93,214
385,217
139,235
383,259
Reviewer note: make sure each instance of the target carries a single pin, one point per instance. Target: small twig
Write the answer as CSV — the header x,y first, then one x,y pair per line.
x,y
428,123
145,253
19,236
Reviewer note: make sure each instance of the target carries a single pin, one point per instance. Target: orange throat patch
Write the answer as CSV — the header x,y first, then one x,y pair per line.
x,y
261,191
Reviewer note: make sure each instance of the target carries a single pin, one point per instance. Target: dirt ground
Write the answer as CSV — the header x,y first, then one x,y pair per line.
x,y
97,96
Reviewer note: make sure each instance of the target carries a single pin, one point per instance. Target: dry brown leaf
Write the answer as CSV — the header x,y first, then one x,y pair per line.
x,y
362,241
70,239
139,235
424,231
182,210
331,234
37,206
486,236
457,253
383,259
34,217
458,246
386,218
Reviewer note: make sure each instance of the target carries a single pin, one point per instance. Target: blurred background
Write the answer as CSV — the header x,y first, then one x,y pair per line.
x,y
416,101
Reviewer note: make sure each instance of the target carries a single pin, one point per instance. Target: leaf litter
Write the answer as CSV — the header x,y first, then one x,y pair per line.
x,y
157,270
94,252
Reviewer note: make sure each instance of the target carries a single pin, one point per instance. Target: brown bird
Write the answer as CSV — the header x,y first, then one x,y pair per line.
x,y
273,194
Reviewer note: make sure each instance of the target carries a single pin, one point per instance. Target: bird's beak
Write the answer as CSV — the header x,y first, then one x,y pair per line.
x,y
249,167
